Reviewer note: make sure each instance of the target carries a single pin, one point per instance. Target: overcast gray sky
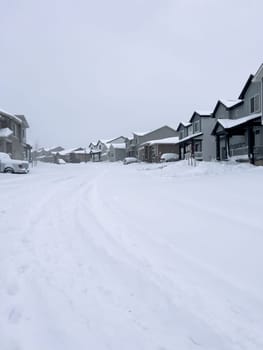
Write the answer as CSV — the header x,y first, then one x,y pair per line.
x,y
81,70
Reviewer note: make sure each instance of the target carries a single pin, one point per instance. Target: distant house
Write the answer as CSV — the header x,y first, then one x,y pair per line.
x,y
46,154
13,136
100,150
238,130
152,150
81,156
195,139
117,151
69,155
134,146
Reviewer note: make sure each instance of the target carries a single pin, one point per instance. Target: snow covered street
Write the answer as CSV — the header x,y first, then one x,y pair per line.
x,y
137,257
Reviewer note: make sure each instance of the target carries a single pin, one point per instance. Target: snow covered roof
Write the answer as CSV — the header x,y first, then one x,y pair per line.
x,y
142,133
189,137
231,123
203,113
10,115
230,103
5,132
23,119
83,151
184,124
168,140
119,145
68,151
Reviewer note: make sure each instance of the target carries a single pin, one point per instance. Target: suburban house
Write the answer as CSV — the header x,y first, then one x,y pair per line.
x,y
100,150
46,154
13,136
69,155
195,139
153,149
238,129
135,147
117,151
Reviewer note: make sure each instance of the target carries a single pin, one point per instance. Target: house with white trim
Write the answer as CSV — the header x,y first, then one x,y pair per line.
x,y
195,139
238,130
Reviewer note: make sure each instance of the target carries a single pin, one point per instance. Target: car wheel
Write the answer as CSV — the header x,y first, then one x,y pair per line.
x,y
9,170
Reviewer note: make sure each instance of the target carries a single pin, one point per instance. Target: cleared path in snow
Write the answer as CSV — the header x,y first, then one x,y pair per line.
x,y
102,256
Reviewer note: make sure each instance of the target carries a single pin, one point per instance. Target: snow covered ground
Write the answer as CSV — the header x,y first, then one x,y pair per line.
x,y
137,257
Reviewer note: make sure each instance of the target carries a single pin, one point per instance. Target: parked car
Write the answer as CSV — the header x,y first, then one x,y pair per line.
x,y
9,165
129,160
169,157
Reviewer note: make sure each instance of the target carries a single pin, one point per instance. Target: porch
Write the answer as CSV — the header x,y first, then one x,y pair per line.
x,y
238,140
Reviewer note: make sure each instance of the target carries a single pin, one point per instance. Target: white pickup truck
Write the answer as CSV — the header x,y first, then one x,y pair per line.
x,y
9,165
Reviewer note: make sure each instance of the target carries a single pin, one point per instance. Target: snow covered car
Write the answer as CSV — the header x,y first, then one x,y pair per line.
x,y
9,165
169,157
129,160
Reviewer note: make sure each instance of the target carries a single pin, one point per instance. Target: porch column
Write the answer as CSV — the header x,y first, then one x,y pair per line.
x,y
227,146
218,147
192,148
251,143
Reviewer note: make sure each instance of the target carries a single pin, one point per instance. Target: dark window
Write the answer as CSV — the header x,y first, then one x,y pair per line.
x,y
9,148
254,104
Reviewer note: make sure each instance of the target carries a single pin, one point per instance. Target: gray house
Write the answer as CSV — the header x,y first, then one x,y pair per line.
x,y
195,139
13,136
117,151
134,146
100,150
238,130
154,149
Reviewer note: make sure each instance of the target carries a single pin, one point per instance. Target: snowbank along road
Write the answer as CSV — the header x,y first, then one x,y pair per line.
x,y
137,257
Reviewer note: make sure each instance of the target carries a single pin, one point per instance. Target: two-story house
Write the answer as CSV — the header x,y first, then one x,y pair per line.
x,y
195,139
13,136
136,145
100,150
238,130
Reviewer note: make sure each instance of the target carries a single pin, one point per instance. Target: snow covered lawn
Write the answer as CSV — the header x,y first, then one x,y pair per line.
x,y
137,257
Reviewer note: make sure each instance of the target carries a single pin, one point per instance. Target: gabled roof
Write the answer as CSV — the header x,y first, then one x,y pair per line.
x,y
11,116
23,119
244,90
228,104
201,114
259,74
68,151
149,132
185,125
232,123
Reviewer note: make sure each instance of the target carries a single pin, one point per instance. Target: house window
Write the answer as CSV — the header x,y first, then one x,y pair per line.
x,y
197,126
254,104
181,134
